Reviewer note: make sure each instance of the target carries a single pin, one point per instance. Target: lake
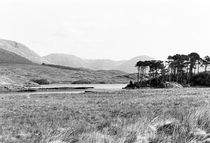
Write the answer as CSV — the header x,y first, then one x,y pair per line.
x,y
99,87
95,86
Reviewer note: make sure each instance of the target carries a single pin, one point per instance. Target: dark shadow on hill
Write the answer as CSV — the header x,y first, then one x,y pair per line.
x,y
63,67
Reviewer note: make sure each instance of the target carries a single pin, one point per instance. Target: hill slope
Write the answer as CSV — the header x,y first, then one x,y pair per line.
x,y
12,58
20,50
22,74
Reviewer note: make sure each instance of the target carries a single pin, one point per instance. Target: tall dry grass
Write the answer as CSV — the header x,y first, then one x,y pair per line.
x,y
191,126
144,116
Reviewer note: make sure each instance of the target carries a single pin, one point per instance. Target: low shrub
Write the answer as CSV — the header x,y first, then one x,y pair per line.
x,y
82,82
41,81
134,85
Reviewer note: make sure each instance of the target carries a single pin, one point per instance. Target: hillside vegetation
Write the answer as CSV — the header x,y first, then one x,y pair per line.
x,y
24,73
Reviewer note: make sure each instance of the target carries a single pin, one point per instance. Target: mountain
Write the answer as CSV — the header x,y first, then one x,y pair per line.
x,y
98,64
21,50
26,55
12,58
129,65
103,64
74,61
65,60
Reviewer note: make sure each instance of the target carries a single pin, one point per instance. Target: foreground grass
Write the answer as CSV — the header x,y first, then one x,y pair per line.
x,y
137,116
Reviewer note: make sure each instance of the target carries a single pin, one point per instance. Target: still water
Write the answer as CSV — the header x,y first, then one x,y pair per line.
x,y
77,91
95,86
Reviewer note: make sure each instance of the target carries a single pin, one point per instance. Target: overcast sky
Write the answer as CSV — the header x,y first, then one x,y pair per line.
x,y
111,29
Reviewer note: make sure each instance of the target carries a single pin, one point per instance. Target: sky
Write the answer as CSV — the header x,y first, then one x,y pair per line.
x,y
108,29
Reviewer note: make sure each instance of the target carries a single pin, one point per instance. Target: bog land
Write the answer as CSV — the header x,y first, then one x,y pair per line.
x,y
126,116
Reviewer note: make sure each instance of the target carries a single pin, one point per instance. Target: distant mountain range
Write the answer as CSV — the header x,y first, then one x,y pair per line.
x,y
13,52
98,64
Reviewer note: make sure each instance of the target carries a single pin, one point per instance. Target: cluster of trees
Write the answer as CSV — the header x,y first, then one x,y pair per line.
x,y
178,68
154,67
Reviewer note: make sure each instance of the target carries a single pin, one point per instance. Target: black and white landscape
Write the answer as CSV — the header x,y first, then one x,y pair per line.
x,y
104,71
22,66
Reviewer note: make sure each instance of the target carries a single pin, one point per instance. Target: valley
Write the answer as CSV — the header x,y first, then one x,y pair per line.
x,y
21,68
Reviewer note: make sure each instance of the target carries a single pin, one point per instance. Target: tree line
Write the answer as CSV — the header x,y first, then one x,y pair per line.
x,y
177,68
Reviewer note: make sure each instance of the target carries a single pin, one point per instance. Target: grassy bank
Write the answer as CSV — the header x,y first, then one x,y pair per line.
x,y
116,117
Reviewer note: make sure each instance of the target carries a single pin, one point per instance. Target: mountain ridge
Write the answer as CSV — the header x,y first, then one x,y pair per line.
x,y
73,61
96,64
21,50
12,58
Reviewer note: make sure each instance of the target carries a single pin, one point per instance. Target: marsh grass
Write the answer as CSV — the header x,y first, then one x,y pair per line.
x,y
141,116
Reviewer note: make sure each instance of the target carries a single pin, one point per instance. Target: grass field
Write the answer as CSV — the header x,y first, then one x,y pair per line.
x,y
130,116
